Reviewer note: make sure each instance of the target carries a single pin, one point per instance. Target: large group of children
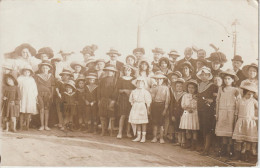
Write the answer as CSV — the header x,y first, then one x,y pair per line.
x,y
189,102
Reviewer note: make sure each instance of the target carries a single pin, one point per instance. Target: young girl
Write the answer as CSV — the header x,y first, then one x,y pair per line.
x,y
144,71
246,116
78,69
45,85
189,119
251,73
80,117
91,102
225,110
164,65
206,107
140,100
161,99
125,86
69,98
186,69
11,101
107,98
176,110
29,92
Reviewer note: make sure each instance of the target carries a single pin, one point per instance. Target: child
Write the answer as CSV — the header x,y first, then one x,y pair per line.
x,y
125,87
173,76
217,80
69,100
29,93
66,75
140,100
91,102
45,85
206,106
251,73
144,71
80,117
78,69
246,130
225,110
186,69
90,66
11,101
189,119
107,98
100,65
164,65
175,108
161,99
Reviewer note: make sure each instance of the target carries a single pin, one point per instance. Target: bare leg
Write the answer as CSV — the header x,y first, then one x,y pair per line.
x,y
128,134
112,120
28,117
154,140
46,114
121,126
14,123
161,135
42,119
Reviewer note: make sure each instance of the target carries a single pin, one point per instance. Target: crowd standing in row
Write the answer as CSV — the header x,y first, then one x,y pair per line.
x,y
190,102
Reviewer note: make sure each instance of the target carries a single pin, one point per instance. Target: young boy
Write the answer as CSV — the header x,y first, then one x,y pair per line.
x,y
78,69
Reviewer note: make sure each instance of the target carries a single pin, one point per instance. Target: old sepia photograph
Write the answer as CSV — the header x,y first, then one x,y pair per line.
x,y
129,83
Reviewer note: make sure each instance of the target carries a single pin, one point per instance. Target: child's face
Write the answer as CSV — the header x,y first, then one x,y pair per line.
x,y
191,89
179,87
164,64
156,56
215,65
130,61
77,68
186,71
228,80
81,84
140,84
204,76
144,66
44,57
100,66
249,95
110,73
26,73
10,81
128,71
65,77
218,81
252,72
45,69
159,81
69,89
174,78
139,55
91,81
236,64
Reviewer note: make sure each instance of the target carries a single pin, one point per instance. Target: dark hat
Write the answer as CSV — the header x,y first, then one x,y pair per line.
x,y
246,67
139,50
45,50
89,50
113,51
174,53
177,73
204,61
188,64
192,81
74,63
45,62
10,75
18,50
132,56
110,68
71,83
237,58
66,72
218,57
158,50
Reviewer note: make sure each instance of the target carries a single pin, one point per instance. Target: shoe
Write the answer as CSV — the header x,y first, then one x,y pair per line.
x,y
41,128
128,135
154,140
138,138
47,128
119,136
143,139
162,141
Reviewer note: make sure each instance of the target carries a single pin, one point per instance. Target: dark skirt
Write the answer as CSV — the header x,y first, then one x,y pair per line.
x,y
70,110
44,100
207,121
10,110
124,106
156,112
92,113
104,110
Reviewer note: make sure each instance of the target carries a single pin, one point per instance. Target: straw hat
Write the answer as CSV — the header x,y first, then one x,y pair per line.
x,y
45,50
113,51
158,50
91,76
237,58
246,68
110,68
65,52
206,70
66,72
91,60
81,77
188,64
27,67
229,72
181,80
45,62
177,73
139,50
159,75
71,83
249,86
10,75
18,50
74,63
174,53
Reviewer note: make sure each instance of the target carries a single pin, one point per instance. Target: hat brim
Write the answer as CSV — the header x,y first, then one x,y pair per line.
x,y
42,64
200,71
11,76
252,89
237,60
108,69
91,77
109,53
72,65
68,84
159,77
223,73
18,50
246,68
27,69
50,55
65,73
174,54
156,51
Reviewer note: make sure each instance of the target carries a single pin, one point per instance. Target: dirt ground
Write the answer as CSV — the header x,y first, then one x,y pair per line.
x,y
57,148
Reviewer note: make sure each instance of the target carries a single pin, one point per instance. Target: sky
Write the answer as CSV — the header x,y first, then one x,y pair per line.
x,y
166,24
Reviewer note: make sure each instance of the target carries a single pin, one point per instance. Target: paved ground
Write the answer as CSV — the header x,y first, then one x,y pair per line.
x,y
57,148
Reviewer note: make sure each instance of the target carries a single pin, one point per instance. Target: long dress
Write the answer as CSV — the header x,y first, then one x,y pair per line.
x,y
246,125
189,121
226,106
29,92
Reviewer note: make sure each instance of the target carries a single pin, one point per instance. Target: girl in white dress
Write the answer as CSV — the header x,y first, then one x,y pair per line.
x,y
29,93
140,100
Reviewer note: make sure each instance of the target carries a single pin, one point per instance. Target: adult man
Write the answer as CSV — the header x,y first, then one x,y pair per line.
x,y
113,54
173,56
187,57
237,63
157,54
139,54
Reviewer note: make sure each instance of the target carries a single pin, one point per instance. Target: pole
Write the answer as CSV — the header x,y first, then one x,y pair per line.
x,y
235,40
138,35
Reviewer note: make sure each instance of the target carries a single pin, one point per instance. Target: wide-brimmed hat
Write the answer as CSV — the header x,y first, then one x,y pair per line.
x,y
110,68
177,73
113,51
180,80
100,60
165,59
65,52
246,68
66,72
71,83
159,75
18,50
7,66
89,50
91,76
249,86
206,70
188,64
218,57
45,50
204,61
57,58
158,50
27,67
139,50
11,75
74,63
192,81
237,58
132,56
81,77
91,60
229,72
45,62
174,53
